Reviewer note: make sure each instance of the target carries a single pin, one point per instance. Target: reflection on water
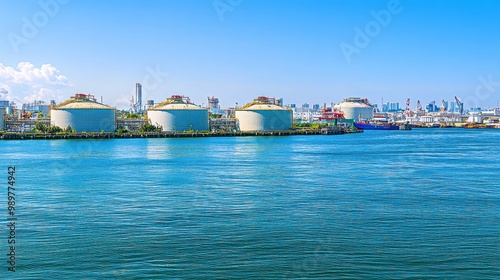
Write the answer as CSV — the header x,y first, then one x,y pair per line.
x,y
401,204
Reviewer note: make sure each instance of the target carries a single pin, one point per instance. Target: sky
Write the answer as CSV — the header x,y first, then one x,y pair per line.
x,y
304,51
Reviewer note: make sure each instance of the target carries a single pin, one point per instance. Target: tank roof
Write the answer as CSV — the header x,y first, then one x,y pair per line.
x,y
81,101
83,105
262,103
262,107
178,106
355,102
177,102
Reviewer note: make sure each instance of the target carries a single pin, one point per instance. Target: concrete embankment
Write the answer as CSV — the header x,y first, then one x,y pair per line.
x,y
41,136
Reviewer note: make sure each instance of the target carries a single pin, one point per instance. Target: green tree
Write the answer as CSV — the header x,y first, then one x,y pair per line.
x,y
147,127
133,116
40,127
54,129
122,130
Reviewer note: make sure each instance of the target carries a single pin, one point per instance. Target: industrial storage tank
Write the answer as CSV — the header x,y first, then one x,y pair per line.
x,y
84,114
2,118
262,114
177,113
355,108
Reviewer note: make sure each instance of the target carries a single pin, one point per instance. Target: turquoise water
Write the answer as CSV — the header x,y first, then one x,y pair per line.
x,y
421,204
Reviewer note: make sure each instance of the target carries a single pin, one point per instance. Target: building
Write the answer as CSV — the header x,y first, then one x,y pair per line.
x,y
7,106
37,107
391,107
136,101
2,118
150,104
431,107
213,105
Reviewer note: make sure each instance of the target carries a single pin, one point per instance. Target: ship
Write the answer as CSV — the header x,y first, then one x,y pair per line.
x,y
375,126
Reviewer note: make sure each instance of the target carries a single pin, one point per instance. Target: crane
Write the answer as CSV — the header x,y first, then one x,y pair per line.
x,y
460,105
408,113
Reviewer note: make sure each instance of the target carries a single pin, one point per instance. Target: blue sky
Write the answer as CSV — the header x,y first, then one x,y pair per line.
x,y
237,50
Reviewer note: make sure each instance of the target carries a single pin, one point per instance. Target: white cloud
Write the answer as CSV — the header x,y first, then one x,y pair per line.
x,y
122,102
27,83
4,92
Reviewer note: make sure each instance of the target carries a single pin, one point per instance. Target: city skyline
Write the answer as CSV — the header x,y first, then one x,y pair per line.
x,y
302,51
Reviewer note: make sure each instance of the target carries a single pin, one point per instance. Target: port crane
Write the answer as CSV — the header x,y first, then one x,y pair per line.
x,y
408,112
460,105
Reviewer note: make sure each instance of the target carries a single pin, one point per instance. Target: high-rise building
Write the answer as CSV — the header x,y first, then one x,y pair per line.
x,y
390,107
4,103
452,107
150,104
138,97
431,107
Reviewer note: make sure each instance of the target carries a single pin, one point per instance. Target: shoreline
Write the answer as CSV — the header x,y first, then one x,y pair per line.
x,y
112,135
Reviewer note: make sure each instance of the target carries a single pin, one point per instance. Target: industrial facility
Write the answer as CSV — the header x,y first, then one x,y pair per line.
x,y
83,113
213,105
355,108
2,118
264,114
177,113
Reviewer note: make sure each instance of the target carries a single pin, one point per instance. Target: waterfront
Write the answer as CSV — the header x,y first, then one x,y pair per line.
x,y
183,134
382,205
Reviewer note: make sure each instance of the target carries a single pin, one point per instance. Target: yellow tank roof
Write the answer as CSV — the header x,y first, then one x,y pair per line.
x,y
83,105
178,106
262,107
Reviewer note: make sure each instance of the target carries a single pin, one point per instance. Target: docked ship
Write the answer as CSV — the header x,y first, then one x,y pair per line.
x,y
380,123
375,126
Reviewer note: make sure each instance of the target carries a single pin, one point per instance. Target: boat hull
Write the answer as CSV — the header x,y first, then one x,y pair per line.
x,y
369,126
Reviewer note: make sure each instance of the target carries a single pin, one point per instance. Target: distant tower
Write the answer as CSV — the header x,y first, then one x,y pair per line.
x,y
407,109
138,97
132,105
213,105
444,106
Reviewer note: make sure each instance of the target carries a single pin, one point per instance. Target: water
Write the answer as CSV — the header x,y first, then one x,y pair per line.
x,y
421,204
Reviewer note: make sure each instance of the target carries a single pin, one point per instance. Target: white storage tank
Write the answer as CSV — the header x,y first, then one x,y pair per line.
x,y
178,114
426,119
84,114
262,115
355,108
475,118
2,118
